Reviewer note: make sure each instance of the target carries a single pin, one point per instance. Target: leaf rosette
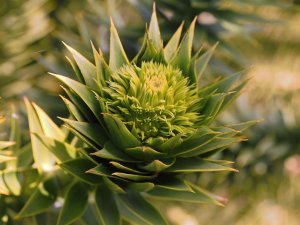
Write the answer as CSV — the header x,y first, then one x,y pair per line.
x,y
148,122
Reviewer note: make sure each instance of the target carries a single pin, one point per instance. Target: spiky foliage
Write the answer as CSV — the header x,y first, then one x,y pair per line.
x,y
218,21
139,127
143,125
17,174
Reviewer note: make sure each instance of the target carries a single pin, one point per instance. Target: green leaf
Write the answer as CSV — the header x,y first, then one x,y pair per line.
x,y
6,157
154,33
49,127
6,144
202,61
119,132
170,144
79,167
84,93
126,167
106,206
88,70
158,165
172,45
202,136
182,58
3,188
76,70
133,177
233,96
62,150
144,153
173,183
75,204
80,105
101,170
212,107
41,199
184,196
86,141
25,157
114,186
226,131
217,143
103,71
192,165
245,125
142,209
117,57
218,200
111,152
43,158
129,215
11,180
148,52
220,86
75,113
92,131
139,187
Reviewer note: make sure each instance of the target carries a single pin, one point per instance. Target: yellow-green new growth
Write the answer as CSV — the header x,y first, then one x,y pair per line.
x,y
154,100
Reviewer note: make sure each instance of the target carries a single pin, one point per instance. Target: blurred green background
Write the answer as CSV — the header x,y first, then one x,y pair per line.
x,y
261,37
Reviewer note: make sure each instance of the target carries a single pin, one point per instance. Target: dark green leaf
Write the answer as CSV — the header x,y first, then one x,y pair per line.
x,y
41,199
144,153
87,69
189,165
182,57
184,196
75,203
85,93
106,206
119,132
92,131
111,152
202,61
79,167
142,209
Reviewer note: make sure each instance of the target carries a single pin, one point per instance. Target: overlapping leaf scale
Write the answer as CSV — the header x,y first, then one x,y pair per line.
x,y
116,160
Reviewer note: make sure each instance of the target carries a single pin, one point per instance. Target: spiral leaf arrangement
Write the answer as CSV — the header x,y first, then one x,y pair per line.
x,y
139,127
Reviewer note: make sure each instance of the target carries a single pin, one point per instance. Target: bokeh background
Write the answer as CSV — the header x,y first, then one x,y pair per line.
x,y
259,37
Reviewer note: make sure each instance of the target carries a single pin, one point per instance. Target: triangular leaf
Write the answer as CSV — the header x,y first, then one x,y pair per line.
x,y
191,165
154,33
111,152
203,60
106,206
43,158
41,200
84,93
75,203
79,167
172,45
184,196
92,131
88,70
135,203
119,132
117,56
183,55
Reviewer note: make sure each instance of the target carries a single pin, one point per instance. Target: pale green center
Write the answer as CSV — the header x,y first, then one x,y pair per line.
x,y
153,100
